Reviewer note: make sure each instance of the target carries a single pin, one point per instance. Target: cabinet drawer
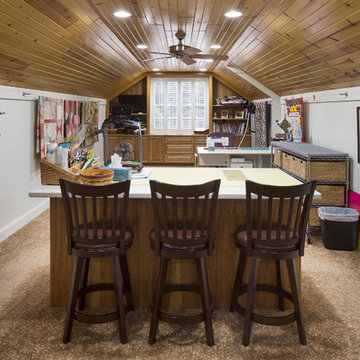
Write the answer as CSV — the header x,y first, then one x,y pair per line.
x,y
179,139
179,148
319,170
278,155
285,161
179,158
331,194
298,166
326,170
200,140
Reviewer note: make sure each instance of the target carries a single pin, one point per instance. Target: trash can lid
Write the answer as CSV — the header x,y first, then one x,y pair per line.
x,y
340,214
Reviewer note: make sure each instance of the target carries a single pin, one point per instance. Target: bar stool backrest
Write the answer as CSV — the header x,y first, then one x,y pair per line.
x,y
184,216
96,217
277,217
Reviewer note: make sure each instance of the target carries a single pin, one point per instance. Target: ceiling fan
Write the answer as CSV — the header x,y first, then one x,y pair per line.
x,y
187,54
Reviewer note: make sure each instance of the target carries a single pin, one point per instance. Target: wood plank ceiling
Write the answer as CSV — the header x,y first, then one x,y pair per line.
x,y
78,46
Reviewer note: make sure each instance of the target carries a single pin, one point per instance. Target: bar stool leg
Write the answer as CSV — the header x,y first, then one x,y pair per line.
x,y
118,286
159,288
84,284
296,299
250,300
74,289
280,284
238,279
126,279
205,299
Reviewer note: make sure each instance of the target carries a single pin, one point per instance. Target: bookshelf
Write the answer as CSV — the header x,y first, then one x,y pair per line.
x,y
230,118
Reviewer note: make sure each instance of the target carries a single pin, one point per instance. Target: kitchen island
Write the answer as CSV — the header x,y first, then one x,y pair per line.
x,y
231,212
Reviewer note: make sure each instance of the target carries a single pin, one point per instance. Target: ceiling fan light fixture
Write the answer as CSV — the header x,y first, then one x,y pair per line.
x,y
233,14
141,46
209,60
122,14
215,46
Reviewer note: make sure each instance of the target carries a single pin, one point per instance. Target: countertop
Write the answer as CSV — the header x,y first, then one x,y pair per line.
x,y
232,181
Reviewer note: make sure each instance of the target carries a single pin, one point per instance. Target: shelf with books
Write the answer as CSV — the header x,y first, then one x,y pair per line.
x,y
231,118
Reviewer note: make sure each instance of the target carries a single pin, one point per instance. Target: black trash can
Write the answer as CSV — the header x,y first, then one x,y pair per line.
x,y
339,227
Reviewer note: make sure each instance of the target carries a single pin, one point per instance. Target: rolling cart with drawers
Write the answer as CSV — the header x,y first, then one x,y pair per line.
x,y
308,162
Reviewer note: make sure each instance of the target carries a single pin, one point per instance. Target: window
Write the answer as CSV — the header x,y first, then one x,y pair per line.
x,y
178,106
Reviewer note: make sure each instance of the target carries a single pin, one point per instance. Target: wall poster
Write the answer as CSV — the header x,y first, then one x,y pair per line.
x,y
295,116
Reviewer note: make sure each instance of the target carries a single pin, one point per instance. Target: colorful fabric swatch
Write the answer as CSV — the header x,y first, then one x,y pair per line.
x,y
261,119
90,119
72,112
50,123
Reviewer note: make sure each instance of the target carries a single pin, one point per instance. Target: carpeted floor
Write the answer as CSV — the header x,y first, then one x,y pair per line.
x,y
31,329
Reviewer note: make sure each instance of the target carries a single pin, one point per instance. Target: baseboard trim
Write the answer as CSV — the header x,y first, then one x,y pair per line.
x,y
22,220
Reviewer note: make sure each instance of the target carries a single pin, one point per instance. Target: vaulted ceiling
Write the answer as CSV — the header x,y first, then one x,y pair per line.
x,y
79,47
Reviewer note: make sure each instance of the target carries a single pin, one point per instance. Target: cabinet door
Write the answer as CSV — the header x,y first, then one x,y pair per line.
x,y
145,148
116,139
157,149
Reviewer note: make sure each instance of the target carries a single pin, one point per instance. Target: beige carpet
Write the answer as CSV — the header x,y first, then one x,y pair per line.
x,y
30,329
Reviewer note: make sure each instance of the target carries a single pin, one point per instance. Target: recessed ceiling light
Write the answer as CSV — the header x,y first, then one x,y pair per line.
x,y
122,14
202,69
209,60
215,46
156,69
141,46
233,14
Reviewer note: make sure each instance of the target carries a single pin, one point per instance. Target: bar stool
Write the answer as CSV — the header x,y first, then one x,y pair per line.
x,y
276,227
184,219
97,228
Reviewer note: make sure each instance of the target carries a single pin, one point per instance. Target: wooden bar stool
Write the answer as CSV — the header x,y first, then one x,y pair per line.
x,y
184,219
97,228
275,230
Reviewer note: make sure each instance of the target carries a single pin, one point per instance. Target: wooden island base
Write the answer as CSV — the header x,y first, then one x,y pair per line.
x,y
221,265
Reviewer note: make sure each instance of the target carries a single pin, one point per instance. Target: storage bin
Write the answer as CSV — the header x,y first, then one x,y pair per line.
x,y
51,173
339,227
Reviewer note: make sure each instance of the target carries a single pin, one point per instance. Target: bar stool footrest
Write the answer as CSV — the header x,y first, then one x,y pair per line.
x,y
96,319
263,319
184,319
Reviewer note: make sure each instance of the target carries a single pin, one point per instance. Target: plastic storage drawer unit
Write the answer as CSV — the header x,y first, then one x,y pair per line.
x,y
339,227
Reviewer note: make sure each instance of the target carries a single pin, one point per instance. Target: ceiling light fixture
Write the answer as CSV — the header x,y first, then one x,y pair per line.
x,y
202,69
156,69
209,60
122,14
215,46
233,14
141,46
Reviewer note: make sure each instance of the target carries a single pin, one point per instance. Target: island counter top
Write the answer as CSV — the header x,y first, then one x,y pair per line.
x,y
232,181
231,211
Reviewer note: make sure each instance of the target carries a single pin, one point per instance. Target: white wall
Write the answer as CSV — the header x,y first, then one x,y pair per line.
x,y
20,170
331,121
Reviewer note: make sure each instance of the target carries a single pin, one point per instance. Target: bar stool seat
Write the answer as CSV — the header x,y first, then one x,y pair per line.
x,y
187,238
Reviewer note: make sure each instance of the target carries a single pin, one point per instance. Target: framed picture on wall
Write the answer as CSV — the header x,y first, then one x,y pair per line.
x,y
224,114
358,132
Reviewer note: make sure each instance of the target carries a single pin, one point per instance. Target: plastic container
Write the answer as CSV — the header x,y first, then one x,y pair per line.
x,y
339,227
121,174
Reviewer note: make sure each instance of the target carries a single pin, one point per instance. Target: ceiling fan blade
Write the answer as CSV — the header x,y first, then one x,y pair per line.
x,y
158,53
191,50
210,56
188,60
159,58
